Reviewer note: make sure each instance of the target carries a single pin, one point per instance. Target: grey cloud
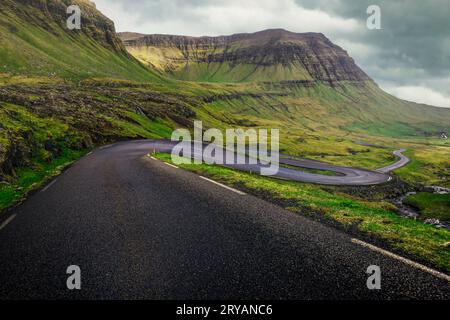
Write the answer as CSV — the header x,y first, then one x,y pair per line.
x,y
415,35
413,48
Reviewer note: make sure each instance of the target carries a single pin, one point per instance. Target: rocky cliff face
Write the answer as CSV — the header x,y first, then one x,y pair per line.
x,y
35,40
271,55
37,47
51,15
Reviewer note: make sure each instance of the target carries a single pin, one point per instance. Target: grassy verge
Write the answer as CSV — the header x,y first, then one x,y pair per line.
x,y
429,165
29,179
376,220
431,205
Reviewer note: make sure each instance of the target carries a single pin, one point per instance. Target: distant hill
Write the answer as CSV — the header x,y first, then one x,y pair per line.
x,y
270,55
307,68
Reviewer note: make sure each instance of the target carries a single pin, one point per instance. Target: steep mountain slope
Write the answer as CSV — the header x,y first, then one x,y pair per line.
x,y
305,69
35,40
62,91
270,55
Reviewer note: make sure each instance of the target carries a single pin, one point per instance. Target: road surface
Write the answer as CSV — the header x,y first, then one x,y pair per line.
x,y
141,229
344,175
404,160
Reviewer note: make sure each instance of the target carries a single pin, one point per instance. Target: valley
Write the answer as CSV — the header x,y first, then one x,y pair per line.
x,y
64,93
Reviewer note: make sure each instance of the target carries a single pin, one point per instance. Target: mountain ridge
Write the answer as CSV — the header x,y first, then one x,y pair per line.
x,y
268,55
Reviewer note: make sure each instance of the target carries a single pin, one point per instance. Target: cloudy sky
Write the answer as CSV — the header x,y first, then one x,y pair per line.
x,y
409,57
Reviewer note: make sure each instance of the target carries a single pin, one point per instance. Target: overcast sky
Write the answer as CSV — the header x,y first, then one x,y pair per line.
x,y
409,57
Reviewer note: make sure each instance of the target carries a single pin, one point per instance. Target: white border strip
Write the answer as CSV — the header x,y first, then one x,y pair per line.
x,y
404,260
104,147
49,185
7,221
171,165
224,186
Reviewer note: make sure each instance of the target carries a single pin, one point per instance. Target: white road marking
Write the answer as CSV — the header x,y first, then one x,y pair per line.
x,y
171,165
404,260
104,147
89,153
224,186
49,185
7,221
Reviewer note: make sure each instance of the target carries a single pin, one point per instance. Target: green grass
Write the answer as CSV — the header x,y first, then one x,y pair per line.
x,y
430,165
39,45
44,146
142,127
243,72
431,205
31,178
173,59
374,219
390,130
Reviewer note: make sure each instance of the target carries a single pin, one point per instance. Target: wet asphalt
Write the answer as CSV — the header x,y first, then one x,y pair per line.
x,y
140,229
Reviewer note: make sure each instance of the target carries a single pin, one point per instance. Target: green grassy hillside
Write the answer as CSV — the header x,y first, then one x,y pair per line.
x,y
431,205
34,40
310,89
219,72
324,123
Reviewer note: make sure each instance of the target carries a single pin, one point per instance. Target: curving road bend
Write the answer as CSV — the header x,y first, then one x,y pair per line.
x,y
140,229
344,175
404,160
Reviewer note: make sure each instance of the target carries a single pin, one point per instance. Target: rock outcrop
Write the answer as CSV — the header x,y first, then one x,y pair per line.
x,y
52,16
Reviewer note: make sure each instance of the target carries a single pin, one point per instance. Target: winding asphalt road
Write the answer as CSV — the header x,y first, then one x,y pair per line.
x,y
404,160
141,229
344,175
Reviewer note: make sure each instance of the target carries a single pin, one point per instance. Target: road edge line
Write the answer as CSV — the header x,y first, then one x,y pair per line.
x,y
49,185
224,186
202,177
402,259
7,221
171,165
105,147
